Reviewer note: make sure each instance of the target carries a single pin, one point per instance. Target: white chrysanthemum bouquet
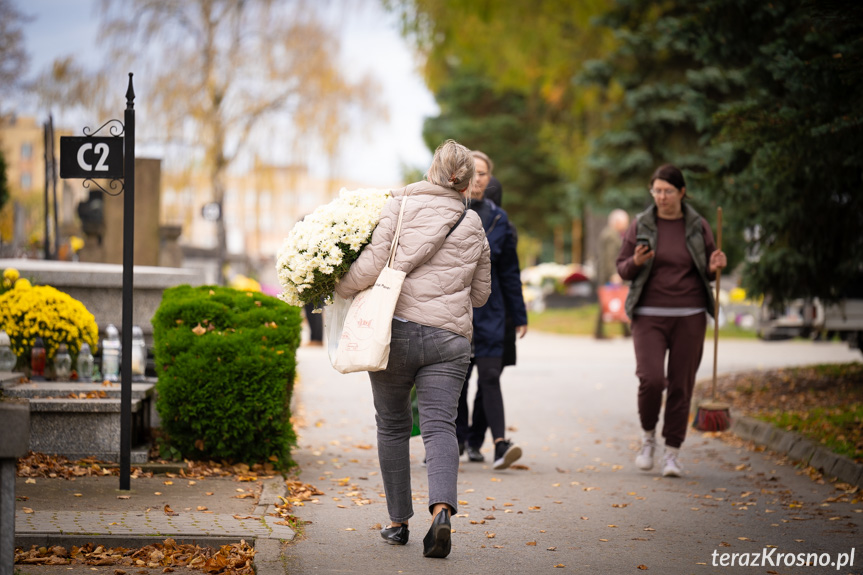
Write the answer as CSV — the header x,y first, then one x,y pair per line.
x,y
321,247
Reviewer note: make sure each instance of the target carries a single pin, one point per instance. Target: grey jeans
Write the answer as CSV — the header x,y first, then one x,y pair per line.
x,y
435,361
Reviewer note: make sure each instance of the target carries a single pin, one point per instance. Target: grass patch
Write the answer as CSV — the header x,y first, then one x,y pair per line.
x,y
582,321
733,332
565,321
836,428
821,402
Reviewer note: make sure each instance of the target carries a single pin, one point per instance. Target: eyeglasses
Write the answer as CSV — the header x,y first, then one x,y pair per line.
x,y
654,192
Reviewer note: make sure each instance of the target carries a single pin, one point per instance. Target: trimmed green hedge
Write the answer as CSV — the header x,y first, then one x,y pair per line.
x,y
226,361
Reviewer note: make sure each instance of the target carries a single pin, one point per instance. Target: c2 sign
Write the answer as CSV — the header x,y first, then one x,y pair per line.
x,y
91,157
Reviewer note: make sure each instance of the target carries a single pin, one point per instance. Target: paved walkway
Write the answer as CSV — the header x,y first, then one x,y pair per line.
x,y
575,502
207,512
46,526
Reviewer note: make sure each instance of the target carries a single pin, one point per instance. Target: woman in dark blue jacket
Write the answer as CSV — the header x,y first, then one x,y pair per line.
x,y
489,327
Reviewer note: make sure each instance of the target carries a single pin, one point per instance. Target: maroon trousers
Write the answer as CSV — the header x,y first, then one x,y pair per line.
x,y
682,339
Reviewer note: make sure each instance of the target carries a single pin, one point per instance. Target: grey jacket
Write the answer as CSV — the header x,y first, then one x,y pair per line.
x,y
446,276
646,225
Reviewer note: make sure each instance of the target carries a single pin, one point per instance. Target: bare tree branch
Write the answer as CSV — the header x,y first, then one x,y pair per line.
x,y
223,67
13,56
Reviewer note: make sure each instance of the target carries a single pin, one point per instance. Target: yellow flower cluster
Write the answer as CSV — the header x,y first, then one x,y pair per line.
x,y
10,276
243,283
29,311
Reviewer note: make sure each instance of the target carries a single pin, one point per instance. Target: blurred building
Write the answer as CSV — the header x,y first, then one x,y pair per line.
x,y
260,208
175,217
22,220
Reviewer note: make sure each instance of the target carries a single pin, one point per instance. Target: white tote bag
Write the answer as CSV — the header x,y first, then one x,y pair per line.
x,y
334,323
365,341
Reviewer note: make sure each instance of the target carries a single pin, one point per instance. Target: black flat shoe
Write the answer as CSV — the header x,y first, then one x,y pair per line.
x,y
396,535
437,541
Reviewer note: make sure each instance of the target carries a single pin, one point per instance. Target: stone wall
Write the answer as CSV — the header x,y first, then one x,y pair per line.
x,y
107,245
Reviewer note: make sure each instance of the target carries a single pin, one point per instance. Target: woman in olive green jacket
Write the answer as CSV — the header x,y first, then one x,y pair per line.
x,y
670,257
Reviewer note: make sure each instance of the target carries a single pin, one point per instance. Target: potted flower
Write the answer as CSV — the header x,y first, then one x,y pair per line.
x,y
28,312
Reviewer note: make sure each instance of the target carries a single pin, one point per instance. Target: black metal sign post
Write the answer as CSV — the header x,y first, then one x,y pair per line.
x,y
128,263
113,158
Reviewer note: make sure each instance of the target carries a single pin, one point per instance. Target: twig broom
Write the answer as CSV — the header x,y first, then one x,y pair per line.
x,y
714,415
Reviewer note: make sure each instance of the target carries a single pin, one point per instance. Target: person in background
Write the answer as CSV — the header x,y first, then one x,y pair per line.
x,y
494,191
608,247
443,250
670,256
489,328
316,325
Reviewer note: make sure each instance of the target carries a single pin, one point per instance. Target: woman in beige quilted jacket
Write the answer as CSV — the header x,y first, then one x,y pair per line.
x,y
443,250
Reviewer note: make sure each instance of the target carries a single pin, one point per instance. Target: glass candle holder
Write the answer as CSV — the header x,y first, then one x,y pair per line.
x,y
7,356
85,363
62,363
37,360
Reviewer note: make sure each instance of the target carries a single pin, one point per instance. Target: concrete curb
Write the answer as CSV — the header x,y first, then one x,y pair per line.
x,y
27,540
268,558
798,448
268,550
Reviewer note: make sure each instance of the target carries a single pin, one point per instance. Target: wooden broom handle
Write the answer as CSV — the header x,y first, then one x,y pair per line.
x,y
716,302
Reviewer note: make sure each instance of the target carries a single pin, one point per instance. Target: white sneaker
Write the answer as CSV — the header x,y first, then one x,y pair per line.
x,y
670,465
644,460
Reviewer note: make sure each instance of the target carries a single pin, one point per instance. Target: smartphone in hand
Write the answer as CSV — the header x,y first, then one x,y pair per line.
x,y
642,240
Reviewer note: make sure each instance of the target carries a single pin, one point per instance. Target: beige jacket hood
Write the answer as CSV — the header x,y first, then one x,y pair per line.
x,y
446,276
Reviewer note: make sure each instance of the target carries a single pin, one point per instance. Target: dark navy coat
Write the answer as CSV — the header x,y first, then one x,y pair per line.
x,y
506,296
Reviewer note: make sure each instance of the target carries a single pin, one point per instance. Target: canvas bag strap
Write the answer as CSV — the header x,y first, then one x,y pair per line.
x,y
395,243
458,221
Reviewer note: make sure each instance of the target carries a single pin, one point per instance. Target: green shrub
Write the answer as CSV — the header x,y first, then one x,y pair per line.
x,y
226,361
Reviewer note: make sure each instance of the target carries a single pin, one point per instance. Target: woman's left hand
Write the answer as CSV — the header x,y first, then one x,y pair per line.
x,y
521,331
717,261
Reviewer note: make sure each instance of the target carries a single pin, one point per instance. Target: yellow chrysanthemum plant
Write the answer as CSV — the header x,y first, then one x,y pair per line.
x,y
10,276
28,312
